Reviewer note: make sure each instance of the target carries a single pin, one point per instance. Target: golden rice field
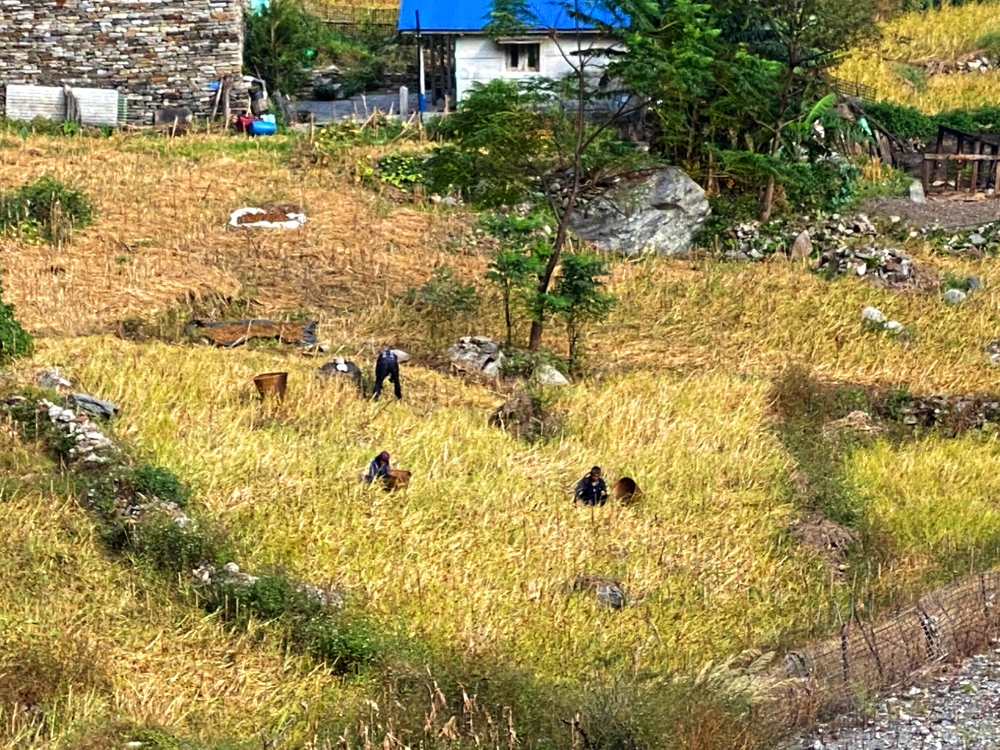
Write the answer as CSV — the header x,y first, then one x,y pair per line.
x,y
917,37
477,557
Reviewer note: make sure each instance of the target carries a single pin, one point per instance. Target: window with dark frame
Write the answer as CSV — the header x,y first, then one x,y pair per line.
x,y
523,57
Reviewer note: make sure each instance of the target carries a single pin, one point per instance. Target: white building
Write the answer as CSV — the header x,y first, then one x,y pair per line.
x,y
461,55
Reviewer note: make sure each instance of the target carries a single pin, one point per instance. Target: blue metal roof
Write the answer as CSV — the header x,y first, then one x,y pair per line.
x,y
457,16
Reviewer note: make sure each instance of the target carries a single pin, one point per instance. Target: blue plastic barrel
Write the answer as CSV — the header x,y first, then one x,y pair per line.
x,y
262,127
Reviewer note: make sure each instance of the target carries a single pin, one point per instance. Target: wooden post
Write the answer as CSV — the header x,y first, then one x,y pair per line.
x,y
937,150
976,149
434,69
929,165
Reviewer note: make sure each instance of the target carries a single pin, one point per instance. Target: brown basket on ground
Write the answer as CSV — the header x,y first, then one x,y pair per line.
x,y
626,491
398,479
272,384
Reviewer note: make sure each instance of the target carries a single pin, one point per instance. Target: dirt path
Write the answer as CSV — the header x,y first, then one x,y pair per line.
x,y
944,212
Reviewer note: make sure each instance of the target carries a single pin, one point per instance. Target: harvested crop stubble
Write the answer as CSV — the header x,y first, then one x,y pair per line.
x,y
105,643
476,554
160,236
757,318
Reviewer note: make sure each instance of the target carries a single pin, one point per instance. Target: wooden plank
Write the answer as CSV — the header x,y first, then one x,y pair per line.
x,y
961,157
928,166
974,187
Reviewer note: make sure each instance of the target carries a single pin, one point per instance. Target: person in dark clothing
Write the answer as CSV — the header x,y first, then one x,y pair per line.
x,y
378,468
591,490
386,366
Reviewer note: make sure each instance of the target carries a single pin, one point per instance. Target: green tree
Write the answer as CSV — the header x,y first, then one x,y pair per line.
x,y
578,298
277,41
515,267
528,142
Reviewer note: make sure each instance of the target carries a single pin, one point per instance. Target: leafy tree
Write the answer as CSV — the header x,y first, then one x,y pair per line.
x,y
515,267
276,43
14,340
527,143
578,298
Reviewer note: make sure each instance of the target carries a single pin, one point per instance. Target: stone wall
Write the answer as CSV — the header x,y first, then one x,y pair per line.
x,y
156,52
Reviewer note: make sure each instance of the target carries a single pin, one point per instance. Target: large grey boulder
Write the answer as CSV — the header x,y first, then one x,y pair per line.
x,y
661,212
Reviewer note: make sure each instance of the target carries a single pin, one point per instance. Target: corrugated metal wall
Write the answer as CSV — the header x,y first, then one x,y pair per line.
x,y
97,106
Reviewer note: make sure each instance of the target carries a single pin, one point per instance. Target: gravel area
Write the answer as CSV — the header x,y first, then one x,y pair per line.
x,y
958,710
944,212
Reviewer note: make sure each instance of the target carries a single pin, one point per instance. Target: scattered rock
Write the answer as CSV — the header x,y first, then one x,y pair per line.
x,y
954,415
95,407
523,418
972,283
954,296
888,266
51,378
802,247
609,593
858,422
873,315
474,354
89,445
548,375
993,351
917,192
661,213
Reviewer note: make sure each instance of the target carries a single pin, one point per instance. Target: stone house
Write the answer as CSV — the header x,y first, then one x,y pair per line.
x,y
461,54
154,53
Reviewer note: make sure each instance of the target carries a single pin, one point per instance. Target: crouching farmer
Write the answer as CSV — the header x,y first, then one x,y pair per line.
x,y
379,468
591,490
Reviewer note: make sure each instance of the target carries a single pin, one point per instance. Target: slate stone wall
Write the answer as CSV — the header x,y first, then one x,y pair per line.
x,y
156,52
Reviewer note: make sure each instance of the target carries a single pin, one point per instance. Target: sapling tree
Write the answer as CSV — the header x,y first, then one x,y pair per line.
x,y
579,298
530,143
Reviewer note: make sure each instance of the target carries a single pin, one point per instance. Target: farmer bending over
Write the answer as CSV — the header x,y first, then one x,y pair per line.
x,y
378,468
591,490
387,365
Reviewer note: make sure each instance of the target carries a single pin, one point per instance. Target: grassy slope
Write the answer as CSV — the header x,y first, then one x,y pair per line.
x,y
93,653
475,557
916,37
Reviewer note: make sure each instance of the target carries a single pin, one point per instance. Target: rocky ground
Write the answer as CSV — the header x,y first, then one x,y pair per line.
x,y
957,709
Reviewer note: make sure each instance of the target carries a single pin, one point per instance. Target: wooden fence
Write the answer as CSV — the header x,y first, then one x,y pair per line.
x,y
350,17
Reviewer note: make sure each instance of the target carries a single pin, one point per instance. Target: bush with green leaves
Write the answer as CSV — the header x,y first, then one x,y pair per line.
x,y
442,298
172,545
276,45
402,171
14,340
160,482
45,208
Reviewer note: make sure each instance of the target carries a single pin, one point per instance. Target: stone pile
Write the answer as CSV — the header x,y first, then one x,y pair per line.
x,y
474,354
207,574
89,443
891,267
753,241
954,413
975,63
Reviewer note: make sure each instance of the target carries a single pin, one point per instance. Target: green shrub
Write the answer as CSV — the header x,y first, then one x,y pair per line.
x,y
345,646
822,185
157,481
402,171
172,547
902,122
14,340
46,208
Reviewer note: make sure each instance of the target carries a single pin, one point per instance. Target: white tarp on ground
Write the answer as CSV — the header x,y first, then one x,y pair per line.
x,y
292,220
97,106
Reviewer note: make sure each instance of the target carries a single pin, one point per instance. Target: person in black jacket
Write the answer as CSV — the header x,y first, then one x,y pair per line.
x,y
386,366
591,490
